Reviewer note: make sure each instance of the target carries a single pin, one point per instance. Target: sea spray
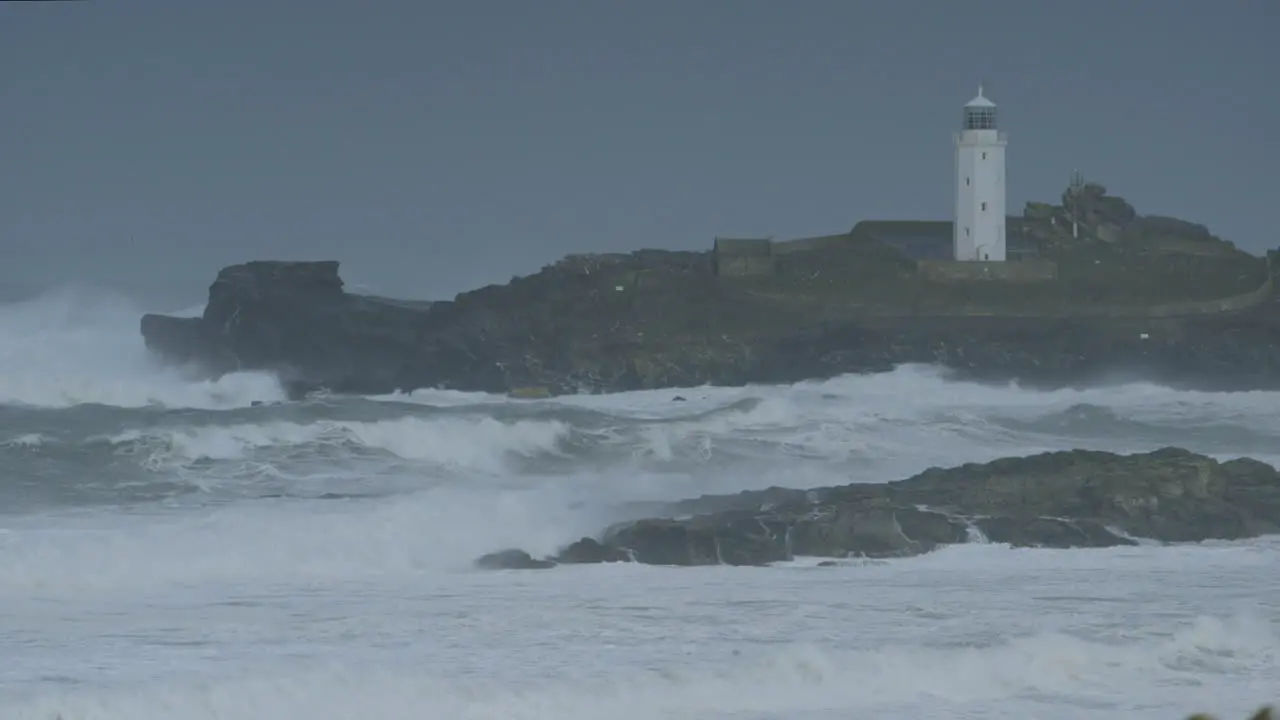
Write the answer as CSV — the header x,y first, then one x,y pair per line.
x,y
170,549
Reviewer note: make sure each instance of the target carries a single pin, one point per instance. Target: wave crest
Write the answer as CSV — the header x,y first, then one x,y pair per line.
x,y
1041,675
75,345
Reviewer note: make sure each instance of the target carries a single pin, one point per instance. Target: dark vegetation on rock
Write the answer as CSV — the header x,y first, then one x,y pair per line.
x,y
1152,297
1071,499
1264,713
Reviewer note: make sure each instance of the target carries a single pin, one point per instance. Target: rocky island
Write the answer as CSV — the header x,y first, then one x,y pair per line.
x,y
1090,289
1078,498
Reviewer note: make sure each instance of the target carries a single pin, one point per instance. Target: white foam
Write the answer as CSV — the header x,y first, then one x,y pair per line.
x,y
911,389
898,423
1226,665
481,444
799,680
445,398
437,529
26,440
76,345
81,345
322,609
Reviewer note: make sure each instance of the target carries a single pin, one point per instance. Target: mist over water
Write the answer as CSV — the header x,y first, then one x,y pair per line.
x,y
73,346
170,549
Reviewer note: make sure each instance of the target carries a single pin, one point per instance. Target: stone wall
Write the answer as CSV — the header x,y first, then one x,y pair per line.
x,y
850,298
1175,245
944,305
1235,303
821,242
731,265
1014,271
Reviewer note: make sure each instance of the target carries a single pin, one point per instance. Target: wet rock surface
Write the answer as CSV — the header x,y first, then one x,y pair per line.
x,y
1072,499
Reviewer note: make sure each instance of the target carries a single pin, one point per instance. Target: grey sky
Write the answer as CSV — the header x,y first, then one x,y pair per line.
x,y
433,147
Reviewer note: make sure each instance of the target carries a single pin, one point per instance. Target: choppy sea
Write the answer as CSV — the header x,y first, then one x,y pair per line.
x,y
169,551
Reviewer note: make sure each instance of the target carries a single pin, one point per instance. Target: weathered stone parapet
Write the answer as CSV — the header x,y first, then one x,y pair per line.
x,y
1235,303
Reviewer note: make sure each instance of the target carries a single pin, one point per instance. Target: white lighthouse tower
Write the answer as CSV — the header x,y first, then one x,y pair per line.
x,y
980,196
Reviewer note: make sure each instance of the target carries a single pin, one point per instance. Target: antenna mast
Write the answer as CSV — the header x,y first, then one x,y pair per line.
x,y
1074,189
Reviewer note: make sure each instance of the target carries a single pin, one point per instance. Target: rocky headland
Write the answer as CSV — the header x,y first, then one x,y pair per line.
x,y
1091,290
1069,499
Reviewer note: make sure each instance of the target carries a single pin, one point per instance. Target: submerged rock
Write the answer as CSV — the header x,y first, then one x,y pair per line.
x,y
1070,499
1264,713
590,550
512,560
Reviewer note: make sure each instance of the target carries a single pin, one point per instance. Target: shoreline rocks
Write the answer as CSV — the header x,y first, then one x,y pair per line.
x,y
1069,499
665,319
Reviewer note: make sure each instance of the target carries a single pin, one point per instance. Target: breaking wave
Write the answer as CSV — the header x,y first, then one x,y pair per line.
x,y
178,548
75,345
1208,662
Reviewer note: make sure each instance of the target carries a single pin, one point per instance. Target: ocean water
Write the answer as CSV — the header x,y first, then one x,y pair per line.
x,y
169,551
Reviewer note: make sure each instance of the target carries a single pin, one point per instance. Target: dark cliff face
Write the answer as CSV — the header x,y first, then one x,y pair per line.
x,y
295,318
661,319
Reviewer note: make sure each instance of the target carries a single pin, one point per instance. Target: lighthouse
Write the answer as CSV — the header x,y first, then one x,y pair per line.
x,y
980,196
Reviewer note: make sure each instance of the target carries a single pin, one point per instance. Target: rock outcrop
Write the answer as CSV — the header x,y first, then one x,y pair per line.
x,y
1070,499
295,318
1145,296
663,319
1088,213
